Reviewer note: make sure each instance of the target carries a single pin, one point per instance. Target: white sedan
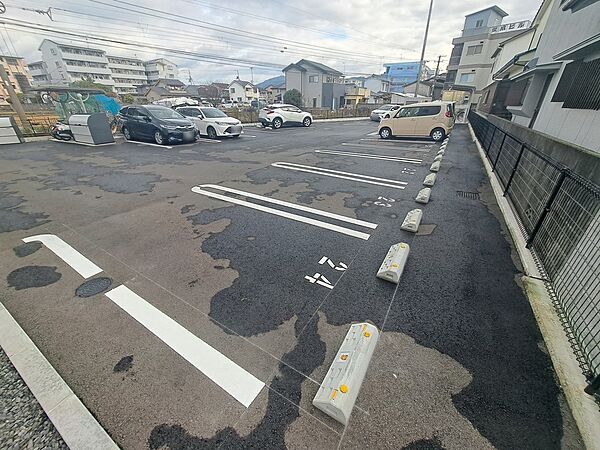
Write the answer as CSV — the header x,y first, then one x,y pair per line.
x,y
212,122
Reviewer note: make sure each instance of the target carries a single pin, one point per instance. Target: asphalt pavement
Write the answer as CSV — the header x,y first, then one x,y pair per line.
x,y
232,270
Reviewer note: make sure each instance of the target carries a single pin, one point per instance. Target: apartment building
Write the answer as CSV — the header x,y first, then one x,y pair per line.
x,y
18,75
67,63
403,73
471,59
39,73
559,86
127,73
161,68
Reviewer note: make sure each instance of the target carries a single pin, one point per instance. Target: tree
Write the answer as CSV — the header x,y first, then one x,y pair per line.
x,y
293,97
88,83
127,99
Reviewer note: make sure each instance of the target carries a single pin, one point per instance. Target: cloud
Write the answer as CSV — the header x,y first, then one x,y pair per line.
x,y
353,36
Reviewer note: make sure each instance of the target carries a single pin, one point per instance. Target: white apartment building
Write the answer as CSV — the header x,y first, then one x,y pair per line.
x,y
160,68
66,63
127,73
471,58
39,73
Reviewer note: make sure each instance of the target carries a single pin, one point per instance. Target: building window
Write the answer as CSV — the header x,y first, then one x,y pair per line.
x,y
53,51
313,79
474,49
232,90
576,85
479,23
467,77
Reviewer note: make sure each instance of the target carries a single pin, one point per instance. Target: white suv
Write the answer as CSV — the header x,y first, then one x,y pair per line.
x,y
279,115
211,122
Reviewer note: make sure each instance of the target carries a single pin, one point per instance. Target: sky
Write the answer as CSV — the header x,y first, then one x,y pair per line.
x,y
259,36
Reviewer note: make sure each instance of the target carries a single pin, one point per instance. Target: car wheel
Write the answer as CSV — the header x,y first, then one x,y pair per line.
x,y
126,133
277,123
212,134
438,134
385,133
307,121
159,138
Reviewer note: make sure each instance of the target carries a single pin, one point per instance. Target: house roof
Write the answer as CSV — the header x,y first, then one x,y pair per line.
x,y
220,85
169,82
495,8
242,82
514,61
301,65
164,91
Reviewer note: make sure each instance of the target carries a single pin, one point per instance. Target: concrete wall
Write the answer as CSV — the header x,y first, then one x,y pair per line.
x,y
582,161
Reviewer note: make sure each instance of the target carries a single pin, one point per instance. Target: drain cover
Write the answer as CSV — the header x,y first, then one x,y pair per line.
x,y
469,195
93,287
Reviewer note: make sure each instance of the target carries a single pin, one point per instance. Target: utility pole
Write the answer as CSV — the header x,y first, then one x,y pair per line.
x,y
423,50
14,99
437,71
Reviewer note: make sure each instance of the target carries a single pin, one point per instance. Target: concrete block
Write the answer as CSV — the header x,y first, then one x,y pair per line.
x,y
340,387
412,220
423,196
393,265
435,167
430,179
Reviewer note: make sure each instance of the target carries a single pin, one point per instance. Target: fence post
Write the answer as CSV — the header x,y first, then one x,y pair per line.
x,y
593,386
512,174
547,208
487,150
499,151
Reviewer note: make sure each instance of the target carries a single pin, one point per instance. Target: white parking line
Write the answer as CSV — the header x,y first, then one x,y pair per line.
x,y
150,144
211,141
236,381
381,145
68,254
345,175
296,217
398,141
369,156
374,133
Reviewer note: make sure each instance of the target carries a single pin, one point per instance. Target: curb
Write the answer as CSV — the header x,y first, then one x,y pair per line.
x,y
583,407
76,425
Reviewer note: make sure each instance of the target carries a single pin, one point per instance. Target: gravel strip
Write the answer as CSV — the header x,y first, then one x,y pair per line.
x,y
23,423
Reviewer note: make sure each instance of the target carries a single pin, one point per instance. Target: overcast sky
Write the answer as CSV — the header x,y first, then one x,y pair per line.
x,y
353,36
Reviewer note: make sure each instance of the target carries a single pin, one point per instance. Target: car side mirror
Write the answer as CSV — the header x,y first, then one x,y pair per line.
x,y
387,116
146,118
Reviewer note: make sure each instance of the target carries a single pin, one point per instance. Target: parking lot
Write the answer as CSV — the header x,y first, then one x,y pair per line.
x,y
236,267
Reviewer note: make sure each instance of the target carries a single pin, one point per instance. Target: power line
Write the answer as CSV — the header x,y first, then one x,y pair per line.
x,y
169,33
219,28
199,56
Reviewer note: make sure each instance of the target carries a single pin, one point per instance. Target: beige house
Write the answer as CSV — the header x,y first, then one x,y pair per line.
x,y
18,75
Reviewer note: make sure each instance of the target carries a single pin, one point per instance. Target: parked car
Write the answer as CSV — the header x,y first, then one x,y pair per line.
x,y
433,119
278,115
229,104
159,123
211,122
380,112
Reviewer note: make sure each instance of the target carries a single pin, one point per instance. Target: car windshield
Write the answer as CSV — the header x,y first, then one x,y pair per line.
x,y
386,107
212,113
164,113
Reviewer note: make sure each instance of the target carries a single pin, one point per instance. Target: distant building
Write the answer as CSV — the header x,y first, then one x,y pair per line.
x,y
273,93
471,58
243,91
356,94
403,73
39,73
320,85
377,83
66,63
160,68
18,75
127,73
165,88
430,87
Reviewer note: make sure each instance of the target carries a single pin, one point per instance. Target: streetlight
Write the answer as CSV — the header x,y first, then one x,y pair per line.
x,y
423,50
